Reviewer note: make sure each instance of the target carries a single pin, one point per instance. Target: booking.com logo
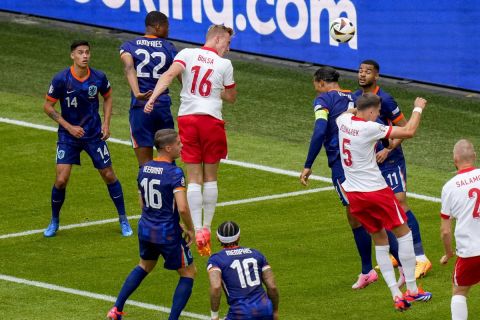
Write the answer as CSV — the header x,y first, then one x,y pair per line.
x,y
307,12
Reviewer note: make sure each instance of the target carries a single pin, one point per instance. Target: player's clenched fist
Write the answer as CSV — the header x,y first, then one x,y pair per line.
x,y
148,106
420,103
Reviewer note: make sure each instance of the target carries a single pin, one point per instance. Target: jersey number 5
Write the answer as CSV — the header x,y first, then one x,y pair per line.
x,y
244,274
476,209
205,86
347,159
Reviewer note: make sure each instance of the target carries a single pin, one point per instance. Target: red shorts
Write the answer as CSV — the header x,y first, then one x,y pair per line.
x,y
376,210
203,138
467,271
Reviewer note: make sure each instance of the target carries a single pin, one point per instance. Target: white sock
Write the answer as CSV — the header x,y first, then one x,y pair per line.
x,y
422,258
385,264
210,196
194,198
459,307
406,253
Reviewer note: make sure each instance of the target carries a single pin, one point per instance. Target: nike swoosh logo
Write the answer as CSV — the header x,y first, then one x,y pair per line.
x,y
105,161
117,197
68,92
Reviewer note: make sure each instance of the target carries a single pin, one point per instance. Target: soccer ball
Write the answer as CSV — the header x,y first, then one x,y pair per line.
x,y
342,30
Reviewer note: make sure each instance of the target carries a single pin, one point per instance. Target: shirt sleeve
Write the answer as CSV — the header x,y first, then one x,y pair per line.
x,y
262,262
228,80
178,180
377,131
125,48
393,112
213,264
173,50
446,205
181,58
56,89
105,88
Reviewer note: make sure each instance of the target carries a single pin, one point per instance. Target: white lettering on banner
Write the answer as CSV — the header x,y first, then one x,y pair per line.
x,y
309,14
292,32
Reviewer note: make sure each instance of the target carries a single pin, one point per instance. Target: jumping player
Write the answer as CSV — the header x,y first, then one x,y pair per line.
x,y
241,271
81,128
145,59
460,201
207,80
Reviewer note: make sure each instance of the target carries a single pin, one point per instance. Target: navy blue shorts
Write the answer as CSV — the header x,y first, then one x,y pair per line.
x,y
144,125
255,310
176,255
69,153
338,177
396,176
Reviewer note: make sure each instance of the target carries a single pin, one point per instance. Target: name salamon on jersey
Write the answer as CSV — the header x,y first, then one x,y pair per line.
x,y
237,252
149,43
155,170
466,182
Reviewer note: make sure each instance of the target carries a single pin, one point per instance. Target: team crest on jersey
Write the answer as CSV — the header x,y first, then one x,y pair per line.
x,y
92,90
50,90
60,154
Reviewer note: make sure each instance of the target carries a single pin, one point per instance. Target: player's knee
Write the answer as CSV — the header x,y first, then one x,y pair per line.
x,y
189,272
108,175
61,182
354,223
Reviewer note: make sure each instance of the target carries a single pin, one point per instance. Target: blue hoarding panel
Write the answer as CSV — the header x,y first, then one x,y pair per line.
x,y
433,41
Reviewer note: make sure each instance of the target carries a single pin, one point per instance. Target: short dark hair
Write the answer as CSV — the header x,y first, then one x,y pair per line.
x,y
372,63
165,137
367,100
327,74
78,43
155,18
228,229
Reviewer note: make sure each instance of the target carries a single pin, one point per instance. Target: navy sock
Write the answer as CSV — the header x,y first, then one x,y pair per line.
x,y
417,239
393,243
58,197
116,193
181,296
364,247
130,285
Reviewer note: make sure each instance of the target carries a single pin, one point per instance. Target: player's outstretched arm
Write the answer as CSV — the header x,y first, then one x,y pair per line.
x,y
272,291
165,80
446,235
131,75
215,278
107,116
410,128
316,142
49,109
184,211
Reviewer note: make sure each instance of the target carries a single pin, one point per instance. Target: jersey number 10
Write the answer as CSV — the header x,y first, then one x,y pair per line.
x,y
244,275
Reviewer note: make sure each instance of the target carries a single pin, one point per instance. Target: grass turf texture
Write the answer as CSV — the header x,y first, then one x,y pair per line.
x,y
306,239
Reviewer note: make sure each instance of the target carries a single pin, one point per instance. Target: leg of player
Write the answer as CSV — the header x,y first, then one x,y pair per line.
x,y
423,264
407,258
210,197
143,154
195,201
116,194
183,290
58,197
132,282
458,304
364,247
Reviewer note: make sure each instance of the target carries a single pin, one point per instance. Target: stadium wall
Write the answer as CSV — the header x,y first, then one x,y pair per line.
x,y
431,41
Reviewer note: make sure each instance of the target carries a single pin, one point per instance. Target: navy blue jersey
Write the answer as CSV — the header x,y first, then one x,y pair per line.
x,y
334,103
242,270
158,180
152,56
79,101
390,114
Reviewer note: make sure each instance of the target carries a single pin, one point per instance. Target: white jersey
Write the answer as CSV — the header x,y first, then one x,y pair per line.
x,y
204,77
357,139
461,200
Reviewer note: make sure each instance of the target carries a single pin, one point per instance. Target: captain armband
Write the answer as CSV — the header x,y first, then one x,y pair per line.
x,y
321,114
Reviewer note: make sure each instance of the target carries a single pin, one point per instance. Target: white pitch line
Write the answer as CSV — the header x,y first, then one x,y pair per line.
x,y
221,204
96,296
227,161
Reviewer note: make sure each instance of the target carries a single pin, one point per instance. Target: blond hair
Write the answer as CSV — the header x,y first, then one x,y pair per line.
x,y
218,29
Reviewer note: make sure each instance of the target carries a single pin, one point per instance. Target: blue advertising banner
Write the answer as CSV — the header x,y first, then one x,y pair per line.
x,y
433,41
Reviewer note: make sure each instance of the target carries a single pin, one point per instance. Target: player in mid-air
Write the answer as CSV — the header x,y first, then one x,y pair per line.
x,y
391,160
81,128
241,271
461,201
371,200
207,81
331,102
162,187
145,59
